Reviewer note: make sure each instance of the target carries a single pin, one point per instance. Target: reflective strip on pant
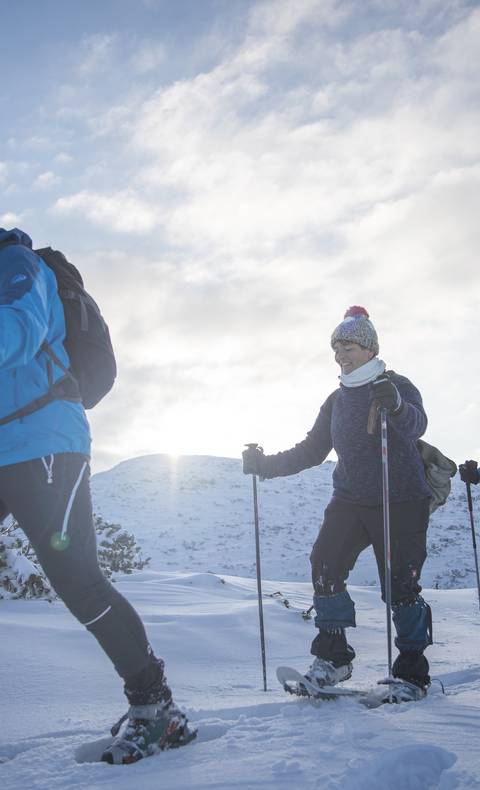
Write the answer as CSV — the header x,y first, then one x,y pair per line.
x,y
72,499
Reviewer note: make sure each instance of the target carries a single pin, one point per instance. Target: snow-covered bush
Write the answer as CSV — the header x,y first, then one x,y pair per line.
x,y
22,577
118,551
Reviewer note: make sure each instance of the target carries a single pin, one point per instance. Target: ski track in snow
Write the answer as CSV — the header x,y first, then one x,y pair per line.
x,y
59,695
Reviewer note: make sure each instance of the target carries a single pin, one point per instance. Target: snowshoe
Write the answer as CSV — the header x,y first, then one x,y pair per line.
x,y
374,697
150,729
325,673
321,673
402,690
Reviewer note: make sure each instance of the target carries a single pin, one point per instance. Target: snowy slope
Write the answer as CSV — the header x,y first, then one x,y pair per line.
x,y
195,513
59,696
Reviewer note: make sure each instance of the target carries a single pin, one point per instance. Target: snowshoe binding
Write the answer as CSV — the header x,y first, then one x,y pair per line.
x,y
321,673
402,691
150,729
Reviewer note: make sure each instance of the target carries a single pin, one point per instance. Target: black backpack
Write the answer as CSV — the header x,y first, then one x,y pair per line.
x,y
87,340
93,368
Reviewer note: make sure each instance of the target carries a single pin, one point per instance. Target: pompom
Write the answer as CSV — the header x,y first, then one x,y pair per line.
x,y
355,311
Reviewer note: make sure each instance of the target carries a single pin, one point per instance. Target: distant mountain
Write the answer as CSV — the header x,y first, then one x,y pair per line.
x,y
196,512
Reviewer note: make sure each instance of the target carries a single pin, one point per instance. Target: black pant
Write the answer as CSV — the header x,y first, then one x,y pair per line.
x,y
50,498
346,531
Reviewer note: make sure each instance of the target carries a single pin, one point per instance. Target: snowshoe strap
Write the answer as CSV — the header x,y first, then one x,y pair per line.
x,y
146,712
406,690
116,727
437,680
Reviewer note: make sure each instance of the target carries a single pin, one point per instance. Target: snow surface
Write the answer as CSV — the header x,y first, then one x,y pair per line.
x,y
59,694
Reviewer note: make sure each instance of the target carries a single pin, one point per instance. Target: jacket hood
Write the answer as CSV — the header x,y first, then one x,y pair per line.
x,y
15,236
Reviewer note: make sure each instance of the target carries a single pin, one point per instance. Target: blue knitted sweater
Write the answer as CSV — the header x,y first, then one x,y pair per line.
x,y
342,425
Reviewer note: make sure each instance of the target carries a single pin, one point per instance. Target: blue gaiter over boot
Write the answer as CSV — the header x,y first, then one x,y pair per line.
x,y
334,613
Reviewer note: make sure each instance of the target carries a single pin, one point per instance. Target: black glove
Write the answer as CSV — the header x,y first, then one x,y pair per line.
x,y
384,391
469,472
253,460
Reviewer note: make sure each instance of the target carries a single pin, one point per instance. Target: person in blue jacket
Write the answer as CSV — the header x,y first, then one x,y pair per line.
x,y
353,518
44,483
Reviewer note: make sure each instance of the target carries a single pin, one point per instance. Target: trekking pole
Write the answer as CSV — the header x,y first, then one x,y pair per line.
x,y
259,572
474,541
386,536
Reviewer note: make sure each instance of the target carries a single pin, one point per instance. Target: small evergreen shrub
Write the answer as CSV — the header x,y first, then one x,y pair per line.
x,y
118,551
22,577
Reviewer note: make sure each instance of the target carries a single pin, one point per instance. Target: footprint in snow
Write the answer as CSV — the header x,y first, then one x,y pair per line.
x,y
413,767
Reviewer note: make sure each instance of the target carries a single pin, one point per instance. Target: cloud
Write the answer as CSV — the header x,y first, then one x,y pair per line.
x,y
35,143
10,220
251,170
97,53
120,212
407,235
225,214
148,58
456,52
46,180
64,159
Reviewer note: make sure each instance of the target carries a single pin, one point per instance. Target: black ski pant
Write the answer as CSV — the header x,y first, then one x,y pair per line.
x,y
346,531
50,498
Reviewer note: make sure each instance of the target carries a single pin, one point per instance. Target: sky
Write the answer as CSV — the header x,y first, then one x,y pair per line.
x,y
230,176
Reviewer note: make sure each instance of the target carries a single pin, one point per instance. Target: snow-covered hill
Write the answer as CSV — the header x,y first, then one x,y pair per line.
x,y
196,513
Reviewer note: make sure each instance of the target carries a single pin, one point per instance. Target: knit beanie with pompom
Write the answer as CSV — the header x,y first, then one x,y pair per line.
x,y
356,327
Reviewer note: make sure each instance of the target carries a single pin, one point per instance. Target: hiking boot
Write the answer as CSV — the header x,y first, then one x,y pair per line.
x,y
333,646
150,729
412,666
324,673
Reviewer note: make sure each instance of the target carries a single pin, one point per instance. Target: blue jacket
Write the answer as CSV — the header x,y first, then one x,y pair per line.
x,y
30,313
342,425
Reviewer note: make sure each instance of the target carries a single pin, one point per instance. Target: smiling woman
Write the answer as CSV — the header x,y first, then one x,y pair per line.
x,y
353,519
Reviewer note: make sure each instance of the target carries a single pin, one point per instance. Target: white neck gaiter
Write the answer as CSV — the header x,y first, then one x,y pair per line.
x,y
364,374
